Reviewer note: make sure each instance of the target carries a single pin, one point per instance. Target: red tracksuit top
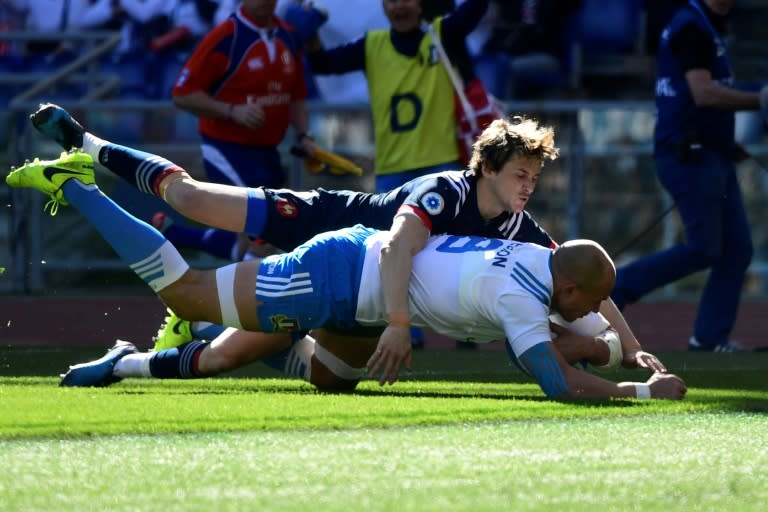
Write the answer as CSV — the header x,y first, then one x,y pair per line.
x,y
240,62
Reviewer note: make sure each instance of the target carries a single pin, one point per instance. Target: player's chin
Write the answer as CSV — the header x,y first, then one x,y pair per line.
x,y
518,206
569,316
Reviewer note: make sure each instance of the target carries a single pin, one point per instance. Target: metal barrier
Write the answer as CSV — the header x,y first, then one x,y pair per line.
x,y
100,85
82,69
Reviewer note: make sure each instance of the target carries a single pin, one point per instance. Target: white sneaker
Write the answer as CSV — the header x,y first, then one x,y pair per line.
x,y
730,346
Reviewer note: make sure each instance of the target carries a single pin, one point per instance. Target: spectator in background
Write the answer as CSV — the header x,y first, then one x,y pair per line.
x,y
10,51
187,22
138,21
51,19
245,83
520,45
347,20
695,151
411,94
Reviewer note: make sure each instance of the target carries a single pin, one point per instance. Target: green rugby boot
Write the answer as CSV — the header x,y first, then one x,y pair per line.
x,y
48,176
172,333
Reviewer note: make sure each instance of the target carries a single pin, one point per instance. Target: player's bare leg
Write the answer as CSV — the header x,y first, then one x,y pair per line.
x,y
234,349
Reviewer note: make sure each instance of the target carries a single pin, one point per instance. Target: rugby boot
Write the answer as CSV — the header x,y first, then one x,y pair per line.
x,y
56,123
98,373
48,176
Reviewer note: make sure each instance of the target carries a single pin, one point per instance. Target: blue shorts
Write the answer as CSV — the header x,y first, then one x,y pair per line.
x,y
315,285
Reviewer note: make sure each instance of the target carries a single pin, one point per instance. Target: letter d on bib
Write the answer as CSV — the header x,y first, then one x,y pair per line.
x,y
405,112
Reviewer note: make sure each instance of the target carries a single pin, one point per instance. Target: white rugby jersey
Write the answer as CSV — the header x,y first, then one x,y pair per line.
x,y
469,289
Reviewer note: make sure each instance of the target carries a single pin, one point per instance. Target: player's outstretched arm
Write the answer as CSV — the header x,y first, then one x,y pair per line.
x,y
561,381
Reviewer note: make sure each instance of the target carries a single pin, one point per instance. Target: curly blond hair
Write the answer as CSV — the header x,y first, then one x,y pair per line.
x,y
505,139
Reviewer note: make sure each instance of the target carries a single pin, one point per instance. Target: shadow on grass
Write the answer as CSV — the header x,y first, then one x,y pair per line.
x,y
715,380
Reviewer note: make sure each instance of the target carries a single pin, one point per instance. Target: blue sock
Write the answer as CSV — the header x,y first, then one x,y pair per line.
x,y
137,243
140,169
178,362
130,237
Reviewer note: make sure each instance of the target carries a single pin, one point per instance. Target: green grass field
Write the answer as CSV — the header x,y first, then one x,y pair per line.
x,y
464,431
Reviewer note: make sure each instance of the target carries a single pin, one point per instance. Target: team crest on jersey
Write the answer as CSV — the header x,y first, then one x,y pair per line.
x,y
255,63
282,323
286,208
433,203
287,59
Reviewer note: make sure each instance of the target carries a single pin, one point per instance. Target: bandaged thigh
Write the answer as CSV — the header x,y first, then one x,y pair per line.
x,y
338,367
225,287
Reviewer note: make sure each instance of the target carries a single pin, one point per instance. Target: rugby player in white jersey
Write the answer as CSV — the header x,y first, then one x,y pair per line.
x,y
487,289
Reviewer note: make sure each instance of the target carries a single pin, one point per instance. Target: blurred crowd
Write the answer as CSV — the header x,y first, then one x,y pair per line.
x,y
521,49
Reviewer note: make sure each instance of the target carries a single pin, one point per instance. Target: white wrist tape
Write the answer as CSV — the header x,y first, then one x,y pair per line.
x,y
643,391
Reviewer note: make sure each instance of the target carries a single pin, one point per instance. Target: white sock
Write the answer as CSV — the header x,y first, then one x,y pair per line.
x,y
92,145
133,365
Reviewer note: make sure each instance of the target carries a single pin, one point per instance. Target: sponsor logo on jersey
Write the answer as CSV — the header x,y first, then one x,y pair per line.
x,y
283,323
286,208
433,203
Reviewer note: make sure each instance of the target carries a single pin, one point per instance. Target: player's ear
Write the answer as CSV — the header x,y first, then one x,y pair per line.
x,y
568,287
486,170
562,290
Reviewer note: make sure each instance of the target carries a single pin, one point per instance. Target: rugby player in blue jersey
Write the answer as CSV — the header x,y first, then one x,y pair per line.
x,y
486,200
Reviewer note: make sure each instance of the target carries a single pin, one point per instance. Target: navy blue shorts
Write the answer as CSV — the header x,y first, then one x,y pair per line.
x,y
295,217
241,165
